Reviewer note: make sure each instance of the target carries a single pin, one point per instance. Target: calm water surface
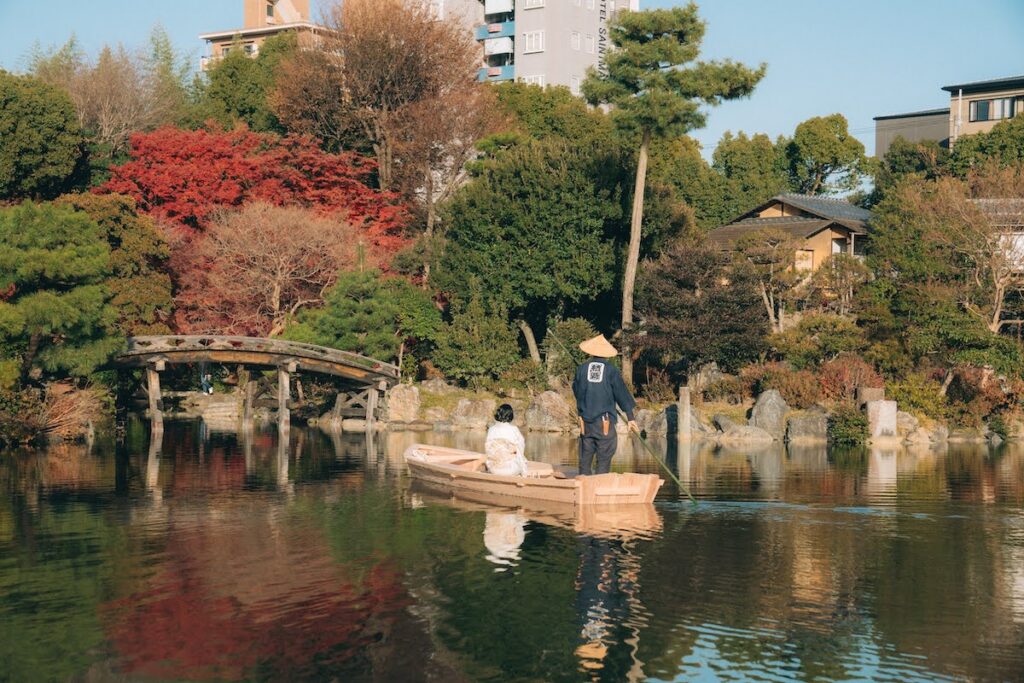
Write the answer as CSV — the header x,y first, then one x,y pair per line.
x,y
213,556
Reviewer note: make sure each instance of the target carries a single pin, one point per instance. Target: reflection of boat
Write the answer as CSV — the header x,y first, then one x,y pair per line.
x,y
622,521
460,470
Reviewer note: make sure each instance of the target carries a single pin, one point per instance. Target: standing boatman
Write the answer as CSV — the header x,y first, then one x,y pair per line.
x,y
598,387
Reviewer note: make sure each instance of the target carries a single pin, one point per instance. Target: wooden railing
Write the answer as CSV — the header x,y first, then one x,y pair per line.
x,y
183,345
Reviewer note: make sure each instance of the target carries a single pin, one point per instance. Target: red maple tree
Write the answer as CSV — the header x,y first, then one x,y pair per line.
x,y
184,176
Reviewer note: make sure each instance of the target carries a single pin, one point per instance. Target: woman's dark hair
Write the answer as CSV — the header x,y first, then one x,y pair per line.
x,y
504,413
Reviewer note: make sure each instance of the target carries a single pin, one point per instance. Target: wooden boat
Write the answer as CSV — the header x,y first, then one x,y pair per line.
x,y
622,522
459,470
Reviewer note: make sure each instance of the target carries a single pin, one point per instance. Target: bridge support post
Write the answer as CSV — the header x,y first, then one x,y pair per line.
x,y
248,398
372,398
284,377
156,403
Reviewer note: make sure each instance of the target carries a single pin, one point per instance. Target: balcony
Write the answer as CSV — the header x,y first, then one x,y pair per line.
x,y
499,46
491,74
504,29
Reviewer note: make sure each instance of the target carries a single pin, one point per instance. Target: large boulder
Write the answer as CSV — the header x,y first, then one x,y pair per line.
x,y
436,414
437,386
807,427
550,412
652,421
403,403
769,413
906,424
473,413
724,423
739,434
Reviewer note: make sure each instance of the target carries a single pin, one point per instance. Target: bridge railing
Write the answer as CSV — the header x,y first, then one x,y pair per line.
x,y
147,345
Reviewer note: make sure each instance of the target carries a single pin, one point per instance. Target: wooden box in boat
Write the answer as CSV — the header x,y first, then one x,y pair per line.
x,y
454,469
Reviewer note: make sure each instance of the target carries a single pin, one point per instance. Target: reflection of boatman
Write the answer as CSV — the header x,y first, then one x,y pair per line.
x,y
598,387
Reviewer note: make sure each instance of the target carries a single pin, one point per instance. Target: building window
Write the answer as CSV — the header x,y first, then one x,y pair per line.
x,y
532,80
224,51
574,85
992,110
249,48
590,43
575,40
270,10
533,41
531,4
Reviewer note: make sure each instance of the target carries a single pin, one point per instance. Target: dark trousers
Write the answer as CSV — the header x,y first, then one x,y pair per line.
x,y
600,445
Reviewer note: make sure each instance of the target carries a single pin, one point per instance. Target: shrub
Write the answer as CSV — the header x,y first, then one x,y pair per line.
x,y
817,339
847,426
22,416
561,347
920,394
658,387
975,394
477,346
842,376
799,388
525,374
732,390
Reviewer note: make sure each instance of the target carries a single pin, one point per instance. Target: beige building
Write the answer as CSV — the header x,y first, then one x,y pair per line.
x,y
977,107
822,227
973,108
262,19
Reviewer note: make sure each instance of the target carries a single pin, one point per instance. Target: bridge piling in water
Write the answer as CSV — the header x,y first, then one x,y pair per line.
x,y
156,402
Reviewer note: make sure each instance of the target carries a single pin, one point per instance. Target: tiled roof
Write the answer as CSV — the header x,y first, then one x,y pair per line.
x,y
1002,212
795,226
838,209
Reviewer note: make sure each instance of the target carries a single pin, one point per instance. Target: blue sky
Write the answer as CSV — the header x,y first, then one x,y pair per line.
x,y
862,58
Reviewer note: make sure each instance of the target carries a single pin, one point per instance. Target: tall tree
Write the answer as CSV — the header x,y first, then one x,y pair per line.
x,y
753,166
823,158
42,151
238,87
383,56
531,232
55,315
139,282
657,88
697,308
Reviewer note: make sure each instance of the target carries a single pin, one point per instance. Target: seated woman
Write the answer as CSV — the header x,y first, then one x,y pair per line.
x,y
505,447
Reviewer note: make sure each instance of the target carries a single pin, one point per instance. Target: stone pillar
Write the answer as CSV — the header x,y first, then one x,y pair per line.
x,y
684,416
882,420
156,403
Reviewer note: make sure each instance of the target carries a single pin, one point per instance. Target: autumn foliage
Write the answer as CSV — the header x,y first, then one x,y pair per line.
x,y
183,177
253,269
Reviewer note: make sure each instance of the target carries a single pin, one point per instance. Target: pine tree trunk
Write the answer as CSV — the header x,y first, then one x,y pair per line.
x,y
531,341
633,257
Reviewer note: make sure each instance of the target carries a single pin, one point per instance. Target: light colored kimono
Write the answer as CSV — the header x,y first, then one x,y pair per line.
x,y
505,449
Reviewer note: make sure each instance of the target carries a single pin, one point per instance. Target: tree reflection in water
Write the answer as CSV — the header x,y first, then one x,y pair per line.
x,y
243,556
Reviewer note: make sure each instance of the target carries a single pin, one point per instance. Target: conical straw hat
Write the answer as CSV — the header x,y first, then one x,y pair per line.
x,y
598,346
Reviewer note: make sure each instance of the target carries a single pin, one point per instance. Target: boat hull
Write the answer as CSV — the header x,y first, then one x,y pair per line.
x,y
458,470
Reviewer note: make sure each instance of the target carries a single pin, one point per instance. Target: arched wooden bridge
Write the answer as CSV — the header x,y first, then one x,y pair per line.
x,y
154,353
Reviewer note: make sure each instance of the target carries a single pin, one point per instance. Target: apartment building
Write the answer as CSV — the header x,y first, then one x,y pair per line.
x,y
262,19
546,42
973,108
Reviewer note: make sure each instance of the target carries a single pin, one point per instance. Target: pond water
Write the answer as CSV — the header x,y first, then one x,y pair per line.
x,y
219,556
